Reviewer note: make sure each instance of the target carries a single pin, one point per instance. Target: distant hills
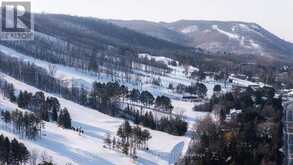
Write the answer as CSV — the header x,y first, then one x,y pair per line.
x,y
215,36
87,38
101,35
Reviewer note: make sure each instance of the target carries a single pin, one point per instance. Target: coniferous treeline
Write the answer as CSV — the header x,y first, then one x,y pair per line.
x,y
198,89
102,97
45,108
13,152
64,119
129,139
172,125
146,98
164,103
26,125
7,89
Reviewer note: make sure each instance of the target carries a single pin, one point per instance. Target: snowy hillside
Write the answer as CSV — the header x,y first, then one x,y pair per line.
x,y
78,77
88,149
214,36
68,146
238,37
178,75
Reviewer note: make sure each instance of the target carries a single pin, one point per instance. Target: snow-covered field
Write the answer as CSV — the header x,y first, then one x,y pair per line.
x,y
185,108
67,146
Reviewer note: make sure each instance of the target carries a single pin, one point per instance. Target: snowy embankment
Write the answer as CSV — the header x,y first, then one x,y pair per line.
x,y
68,146
246,83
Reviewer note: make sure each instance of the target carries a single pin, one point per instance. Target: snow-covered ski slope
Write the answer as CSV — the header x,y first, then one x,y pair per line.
x,y
68,146
79,77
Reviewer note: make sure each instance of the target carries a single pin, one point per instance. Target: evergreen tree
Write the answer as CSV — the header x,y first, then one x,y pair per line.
x,y
25,154
14,152
127,130
125,148
20,100
2,149
164,103
53,106
121,133
12,96
134,95
146,136
147,98
83,97
217,88
54,115
7,150
64,119
67,119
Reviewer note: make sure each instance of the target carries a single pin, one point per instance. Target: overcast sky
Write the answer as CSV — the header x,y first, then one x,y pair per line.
x,y
274,15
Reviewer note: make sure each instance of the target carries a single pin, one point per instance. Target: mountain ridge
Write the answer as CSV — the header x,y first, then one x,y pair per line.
x,y
216,36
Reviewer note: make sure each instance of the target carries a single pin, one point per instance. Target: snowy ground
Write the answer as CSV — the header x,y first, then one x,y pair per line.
x,y
79,77
67,146
246,83
185,108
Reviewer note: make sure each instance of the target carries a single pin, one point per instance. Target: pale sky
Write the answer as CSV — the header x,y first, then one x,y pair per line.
x,y
274,15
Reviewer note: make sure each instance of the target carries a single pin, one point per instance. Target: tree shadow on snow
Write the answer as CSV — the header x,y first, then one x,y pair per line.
x,y
83,158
